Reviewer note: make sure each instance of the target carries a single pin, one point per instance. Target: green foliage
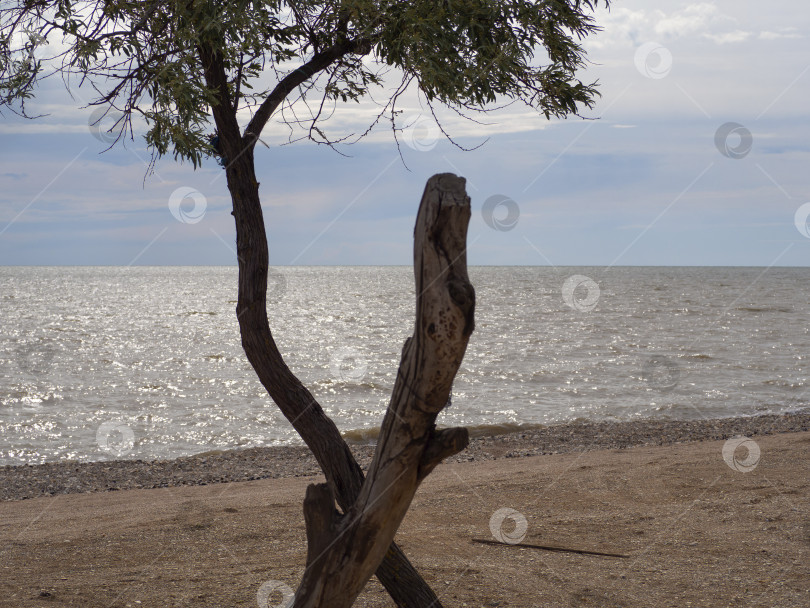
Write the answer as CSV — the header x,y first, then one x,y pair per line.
x,y
144,58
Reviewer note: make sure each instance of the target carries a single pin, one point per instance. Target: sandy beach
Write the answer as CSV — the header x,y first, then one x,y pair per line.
x,y
688,527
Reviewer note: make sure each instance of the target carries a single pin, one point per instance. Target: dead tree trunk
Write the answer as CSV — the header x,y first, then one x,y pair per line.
x,y
406,587
345,550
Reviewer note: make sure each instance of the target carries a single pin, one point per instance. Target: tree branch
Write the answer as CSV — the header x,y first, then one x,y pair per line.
x,y
319,62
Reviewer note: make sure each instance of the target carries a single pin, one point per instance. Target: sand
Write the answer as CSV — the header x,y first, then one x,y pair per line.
x,y
695,532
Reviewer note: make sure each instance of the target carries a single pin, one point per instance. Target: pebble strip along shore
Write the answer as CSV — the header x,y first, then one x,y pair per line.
x,y
30,481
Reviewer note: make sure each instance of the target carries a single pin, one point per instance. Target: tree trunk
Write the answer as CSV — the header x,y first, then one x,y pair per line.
x,y
344,550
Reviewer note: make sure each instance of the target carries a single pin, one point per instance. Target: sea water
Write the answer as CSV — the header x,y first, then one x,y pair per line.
x,y
146,362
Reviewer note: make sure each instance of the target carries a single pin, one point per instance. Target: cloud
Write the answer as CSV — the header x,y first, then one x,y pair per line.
x,y
624,27
729,37
694,19
355,119
789,32
38,128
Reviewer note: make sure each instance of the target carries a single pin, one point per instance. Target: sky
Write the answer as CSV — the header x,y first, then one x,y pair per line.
x,y
697,153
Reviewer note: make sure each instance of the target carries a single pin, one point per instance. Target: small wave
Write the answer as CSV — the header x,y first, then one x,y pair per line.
x,y
762,309
198,312
782,383
361,436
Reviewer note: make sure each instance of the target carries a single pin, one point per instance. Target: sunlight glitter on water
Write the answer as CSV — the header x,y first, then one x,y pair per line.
x,y
153,355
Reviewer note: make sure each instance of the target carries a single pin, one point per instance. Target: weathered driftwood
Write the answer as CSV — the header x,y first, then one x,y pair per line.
x,y
344,550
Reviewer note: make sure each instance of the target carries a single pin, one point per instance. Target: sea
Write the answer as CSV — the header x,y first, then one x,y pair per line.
x,y
102,363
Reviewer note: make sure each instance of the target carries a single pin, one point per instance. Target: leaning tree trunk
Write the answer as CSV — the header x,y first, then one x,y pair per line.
x,y
404,584
344,550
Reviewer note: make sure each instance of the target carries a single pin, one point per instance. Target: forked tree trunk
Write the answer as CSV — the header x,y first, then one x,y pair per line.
x,y
345,550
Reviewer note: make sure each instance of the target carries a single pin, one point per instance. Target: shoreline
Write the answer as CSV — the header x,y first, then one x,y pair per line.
x,y
20,482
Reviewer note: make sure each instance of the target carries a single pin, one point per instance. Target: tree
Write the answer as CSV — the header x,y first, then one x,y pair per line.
x,y
182,67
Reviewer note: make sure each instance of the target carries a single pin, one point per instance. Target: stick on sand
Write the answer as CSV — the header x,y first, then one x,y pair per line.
x,y
548,548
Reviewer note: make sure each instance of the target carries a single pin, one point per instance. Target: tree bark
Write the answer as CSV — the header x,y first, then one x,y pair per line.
x,y
344,550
